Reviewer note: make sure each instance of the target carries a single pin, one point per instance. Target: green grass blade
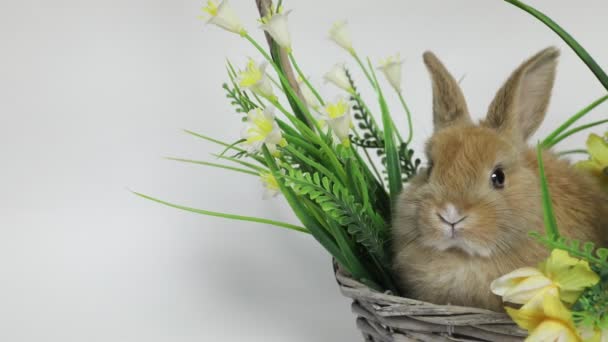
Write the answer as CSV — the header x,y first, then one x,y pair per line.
x,y
232,146
225,215
566,37
315,229
305,80
215,141
549,140
563,153
549,218
225,144
256,168
393,168
576,130
221,166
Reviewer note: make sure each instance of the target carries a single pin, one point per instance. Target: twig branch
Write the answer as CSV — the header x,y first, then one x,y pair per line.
x,y
264,7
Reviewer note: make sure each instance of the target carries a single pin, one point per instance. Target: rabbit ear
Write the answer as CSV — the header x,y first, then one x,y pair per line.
x,y
520,105
449,105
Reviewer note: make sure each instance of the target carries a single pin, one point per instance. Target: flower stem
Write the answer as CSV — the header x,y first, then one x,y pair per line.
x,y
369,77
409,119
317,139
275,82
371,162
379,91
301,74
288,87
549,141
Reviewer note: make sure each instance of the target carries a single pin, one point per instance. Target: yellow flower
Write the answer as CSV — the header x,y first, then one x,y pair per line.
x,y
223,16
598,161
271,186
275,23
255,79
566,275
546,318
391,68
340,35
339,119
261,128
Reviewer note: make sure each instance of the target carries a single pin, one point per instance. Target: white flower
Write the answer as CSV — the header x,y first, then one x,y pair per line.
x,y
340,35
223,16
391,67
308,95
271,186
275,23
339,119
521,285
262,129
337,76
254,78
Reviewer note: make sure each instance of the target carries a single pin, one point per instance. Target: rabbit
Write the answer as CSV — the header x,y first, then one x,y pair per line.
x,y
464,221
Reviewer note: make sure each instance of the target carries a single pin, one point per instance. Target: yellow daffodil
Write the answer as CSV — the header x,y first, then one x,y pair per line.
x,y
337,76
391,68
568,276
262,129
275,23
546,319
339,119
571,275
598,161
223,16
340,35
271,186
255,79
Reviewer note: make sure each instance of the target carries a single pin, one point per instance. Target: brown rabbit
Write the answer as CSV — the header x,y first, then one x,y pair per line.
x,y
464,221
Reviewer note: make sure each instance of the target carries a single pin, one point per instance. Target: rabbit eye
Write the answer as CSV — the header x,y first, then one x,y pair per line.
x,y
498,178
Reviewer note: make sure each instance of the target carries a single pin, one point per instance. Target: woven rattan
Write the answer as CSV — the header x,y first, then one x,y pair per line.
x,y
387,318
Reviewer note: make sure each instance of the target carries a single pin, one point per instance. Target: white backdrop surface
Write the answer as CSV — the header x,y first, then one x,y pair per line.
x,y
94,93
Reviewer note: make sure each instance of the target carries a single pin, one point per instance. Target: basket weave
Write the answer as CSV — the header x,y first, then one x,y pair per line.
x,y
387,318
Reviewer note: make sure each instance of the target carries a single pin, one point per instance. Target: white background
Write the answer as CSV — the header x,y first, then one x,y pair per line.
x,y
94,93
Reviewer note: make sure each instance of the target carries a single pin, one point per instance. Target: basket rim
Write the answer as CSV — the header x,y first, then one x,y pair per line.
x,y
402,316
387,304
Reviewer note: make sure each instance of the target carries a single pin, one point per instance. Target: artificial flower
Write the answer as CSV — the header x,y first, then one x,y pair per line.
x,y
255,79
598,158
271,186
337,76
223,16
546,319
391,68
339,119
275,23
262,129
570,276
340,35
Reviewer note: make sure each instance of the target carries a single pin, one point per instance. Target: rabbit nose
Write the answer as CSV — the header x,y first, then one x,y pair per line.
x,y
450,215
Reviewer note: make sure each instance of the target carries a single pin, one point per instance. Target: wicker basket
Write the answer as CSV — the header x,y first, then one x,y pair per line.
x,y
386,318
